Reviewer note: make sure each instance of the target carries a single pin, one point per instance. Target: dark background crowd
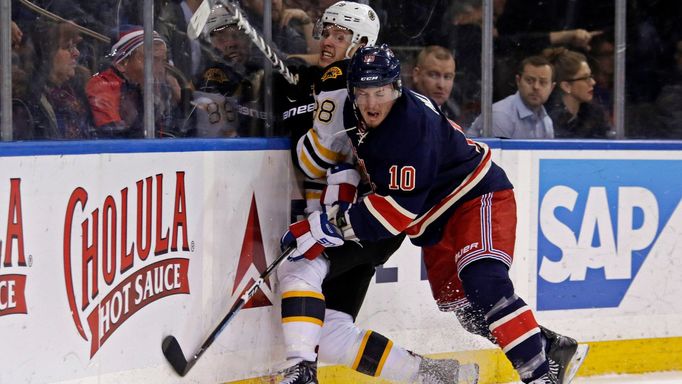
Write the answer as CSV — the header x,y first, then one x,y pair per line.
x,y
72,83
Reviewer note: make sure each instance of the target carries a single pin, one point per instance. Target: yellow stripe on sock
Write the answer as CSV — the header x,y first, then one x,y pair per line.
x,y
313,170
325,153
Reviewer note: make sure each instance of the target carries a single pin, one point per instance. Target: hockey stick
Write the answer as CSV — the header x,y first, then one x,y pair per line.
x,y
170,346
196,26
257,39
198,20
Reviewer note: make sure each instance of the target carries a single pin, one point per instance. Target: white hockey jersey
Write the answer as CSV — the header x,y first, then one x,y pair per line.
x,y
326,143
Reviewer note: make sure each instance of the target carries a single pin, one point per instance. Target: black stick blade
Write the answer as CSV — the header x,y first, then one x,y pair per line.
x,y
171,349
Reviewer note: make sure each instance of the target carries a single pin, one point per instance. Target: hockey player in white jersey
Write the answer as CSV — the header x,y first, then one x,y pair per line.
x,y
321,296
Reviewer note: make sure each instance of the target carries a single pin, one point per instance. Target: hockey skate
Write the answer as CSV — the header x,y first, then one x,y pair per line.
x,y
305,372
565,355
446,371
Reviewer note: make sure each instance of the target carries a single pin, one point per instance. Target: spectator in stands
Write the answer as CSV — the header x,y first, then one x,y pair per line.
x,y
571,107
522,115
52,90
292,29
228,99
185,53
433,76
115,94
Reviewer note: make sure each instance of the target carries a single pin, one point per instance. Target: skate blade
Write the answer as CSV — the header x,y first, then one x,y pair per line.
x,y
468,374
576,361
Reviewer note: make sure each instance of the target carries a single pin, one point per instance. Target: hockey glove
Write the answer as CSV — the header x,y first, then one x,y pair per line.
x,y
342,186
311,236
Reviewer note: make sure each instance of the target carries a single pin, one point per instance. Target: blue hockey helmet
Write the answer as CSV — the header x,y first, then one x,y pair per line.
x,y
374,67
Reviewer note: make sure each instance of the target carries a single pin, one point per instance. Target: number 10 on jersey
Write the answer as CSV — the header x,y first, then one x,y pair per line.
x,y
402,179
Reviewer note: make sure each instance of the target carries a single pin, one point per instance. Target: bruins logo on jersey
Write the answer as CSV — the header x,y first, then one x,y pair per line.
x,y
215,75
332,73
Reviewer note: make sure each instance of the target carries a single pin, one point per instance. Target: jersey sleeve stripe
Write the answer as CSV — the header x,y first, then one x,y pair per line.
x,y
418,227
310,160
389,213
326,154
308,166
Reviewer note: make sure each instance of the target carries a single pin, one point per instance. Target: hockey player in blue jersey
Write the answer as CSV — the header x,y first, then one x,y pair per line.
x,y
443,190
321,296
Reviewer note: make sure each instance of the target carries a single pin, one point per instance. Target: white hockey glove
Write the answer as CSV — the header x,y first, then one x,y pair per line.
x,y
311,236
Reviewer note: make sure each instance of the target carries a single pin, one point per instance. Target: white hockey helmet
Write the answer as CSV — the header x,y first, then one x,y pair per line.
x,y
356,17
219,18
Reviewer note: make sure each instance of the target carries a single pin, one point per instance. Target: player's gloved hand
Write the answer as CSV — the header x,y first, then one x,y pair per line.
x,y
311,236
342,186
343,173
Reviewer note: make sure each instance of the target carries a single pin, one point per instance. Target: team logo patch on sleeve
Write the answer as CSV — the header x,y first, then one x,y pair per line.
x,y
332,73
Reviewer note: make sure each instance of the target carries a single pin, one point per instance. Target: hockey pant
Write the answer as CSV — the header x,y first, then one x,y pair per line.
x,y
469,274
339,284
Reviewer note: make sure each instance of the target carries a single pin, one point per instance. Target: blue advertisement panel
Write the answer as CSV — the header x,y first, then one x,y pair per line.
x,y
597,222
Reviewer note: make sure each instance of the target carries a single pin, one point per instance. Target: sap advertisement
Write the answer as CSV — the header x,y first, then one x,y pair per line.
x,y
599,223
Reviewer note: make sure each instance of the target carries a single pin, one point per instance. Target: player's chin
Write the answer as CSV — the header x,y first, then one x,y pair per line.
x,y
325,59
373,120
439,97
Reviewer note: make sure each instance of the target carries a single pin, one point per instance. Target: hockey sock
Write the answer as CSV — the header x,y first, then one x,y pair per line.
x,y
302,320
512,323
517,333
303,306
365,351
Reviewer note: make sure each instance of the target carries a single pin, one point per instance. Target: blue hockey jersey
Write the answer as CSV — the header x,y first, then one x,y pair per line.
x,y
420,167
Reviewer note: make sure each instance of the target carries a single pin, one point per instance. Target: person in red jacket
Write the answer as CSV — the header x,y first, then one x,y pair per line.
x,y
115,94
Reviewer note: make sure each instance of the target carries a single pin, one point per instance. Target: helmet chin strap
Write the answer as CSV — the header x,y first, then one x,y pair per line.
x,y
350,48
